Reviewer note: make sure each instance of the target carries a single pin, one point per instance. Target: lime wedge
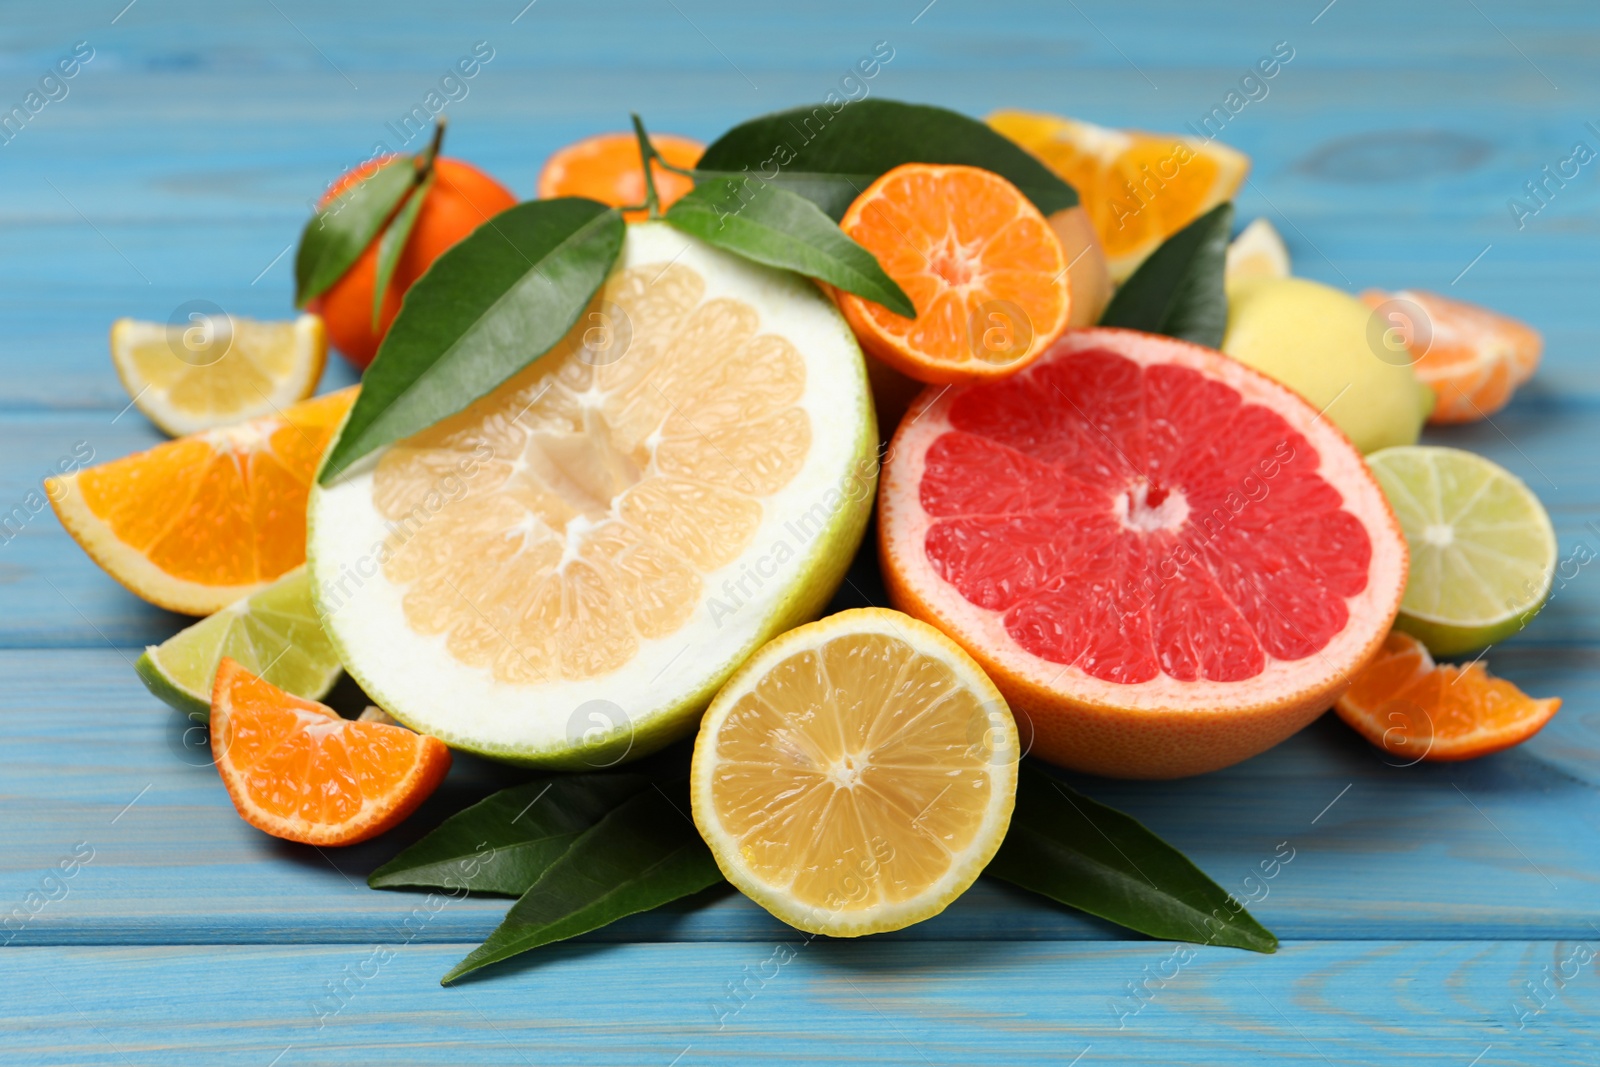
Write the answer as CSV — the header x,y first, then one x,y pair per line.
x,y
274,634
1483,553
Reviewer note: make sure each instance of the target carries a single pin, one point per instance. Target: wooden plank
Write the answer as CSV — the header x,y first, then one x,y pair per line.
x,y
789,1002
1498,847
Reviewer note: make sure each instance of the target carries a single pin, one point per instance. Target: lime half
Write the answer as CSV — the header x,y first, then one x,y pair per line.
x,y
1483,553
273,634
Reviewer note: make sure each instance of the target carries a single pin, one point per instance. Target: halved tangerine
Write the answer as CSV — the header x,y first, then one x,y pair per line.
x,y
195,524
1408,706
1166,561
297,770
984,269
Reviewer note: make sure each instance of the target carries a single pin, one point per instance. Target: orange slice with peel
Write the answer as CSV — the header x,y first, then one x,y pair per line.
x,y
198,523
985,270
1407,705
297,770
1472,358
607,168
1140,188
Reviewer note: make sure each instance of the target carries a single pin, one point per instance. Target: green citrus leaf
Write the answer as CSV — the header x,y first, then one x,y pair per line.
x,y
393,242
494,302
644,854
1074,850
829,156
338,233
1178,290
768,224
503,843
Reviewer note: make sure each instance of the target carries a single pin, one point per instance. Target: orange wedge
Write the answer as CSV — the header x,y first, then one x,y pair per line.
x,y
1405,704
1139,188
1472,358
985,270
198,523
299,771
607,168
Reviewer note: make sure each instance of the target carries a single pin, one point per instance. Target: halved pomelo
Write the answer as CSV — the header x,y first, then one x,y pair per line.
x,y
1166,561
565,573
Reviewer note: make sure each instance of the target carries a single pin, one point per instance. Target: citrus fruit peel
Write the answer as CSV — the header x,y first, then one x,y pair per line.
x,y
297,770
1166,561
564,573
1258,252
985,271
195,524
607,167
856,774
1405,704
217,369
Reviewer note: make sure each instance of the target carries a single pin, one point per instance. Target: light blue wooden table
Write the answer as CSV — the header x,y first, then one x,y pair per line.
x,y
1431,914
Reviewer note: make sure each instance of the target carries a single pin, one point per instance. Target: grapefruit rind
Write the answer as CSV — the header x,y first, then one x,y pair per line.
x,y
821,515
956,879
1163,728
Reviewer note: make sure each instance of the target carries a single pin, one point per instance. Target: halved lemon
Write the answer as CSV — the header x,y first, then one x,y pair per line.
x,y
564,573
856,775
217,369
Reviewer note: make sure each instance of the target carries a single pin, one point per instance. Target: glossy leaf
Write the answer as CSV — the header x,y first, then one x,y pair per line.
x,y
1178,290
1074,850
768,224
503,843
830,156
338,233
644,854
393,242
493,303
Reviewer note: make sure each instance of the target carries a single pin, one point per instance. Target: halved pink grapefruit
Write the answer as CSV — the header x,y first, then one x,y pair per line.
x,y
1166,561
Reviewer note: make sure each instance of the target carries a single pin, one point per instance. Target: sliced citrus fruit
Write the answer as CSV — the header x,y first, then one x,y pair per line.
x,y
274,634
1483,552
1166,561
983,267
565,572
1258,252
297,770
217,369
1140,188
856,774
197,523
1472,358
1411,708
607,167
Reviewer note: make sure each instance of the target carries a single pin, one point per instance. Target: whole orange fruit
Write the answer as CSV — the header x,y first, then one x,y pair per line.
x,y
463,198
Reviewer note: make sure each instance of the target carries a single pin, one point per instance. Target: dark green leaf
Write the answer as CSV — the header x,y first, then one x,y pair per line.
x,y
831,156
493,303
1071,849
768,224
1178,290
393,242
644,854
338,233
503,843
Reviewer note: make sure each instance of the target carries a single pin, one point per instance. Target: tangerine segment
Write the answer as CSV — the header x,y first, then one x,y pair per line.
x,y
1403,703
856,775
600,487
1139,188
607,167
1167,561
198,523
1472,358
984,269
297,770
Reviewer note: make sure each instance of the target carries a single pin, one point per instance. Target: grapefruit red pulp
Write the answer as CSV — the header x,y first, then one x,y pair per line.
x,y
1166,561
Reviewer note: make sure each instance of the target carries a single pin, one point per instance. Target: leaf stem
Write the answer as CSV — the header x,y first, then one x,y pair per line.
x,y
426,157
647,155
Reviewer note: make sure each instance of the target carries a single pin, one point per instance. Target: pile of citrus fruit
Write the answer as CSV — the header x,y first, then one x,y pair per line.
x,y
1128,553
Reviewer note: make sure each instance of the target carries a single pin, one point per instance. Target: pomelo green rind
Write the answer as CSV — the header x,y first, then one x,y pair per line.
x,y
821,566
1317,341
